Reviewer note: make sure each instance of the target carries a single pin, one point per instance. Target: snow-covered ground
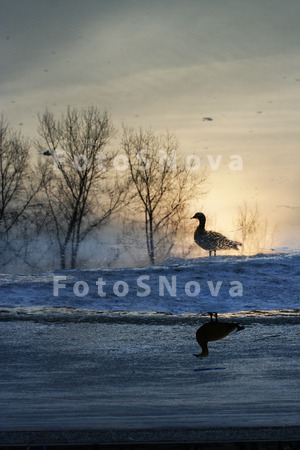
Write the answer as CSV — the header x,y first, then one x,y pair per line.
x,y
227,284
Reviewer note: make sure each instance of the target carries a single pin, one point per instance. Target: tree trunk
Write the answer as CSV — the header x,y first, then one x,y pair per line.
x,y
74,255
62,256
151,238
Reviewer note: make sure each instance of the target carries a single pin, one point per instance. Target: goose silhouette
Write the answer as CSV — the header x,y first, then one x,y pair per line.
x,y
211,240
213,331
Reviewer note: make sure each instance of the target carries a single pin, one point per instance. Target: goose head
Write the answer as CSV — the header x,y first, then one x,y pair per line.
x,y
200,216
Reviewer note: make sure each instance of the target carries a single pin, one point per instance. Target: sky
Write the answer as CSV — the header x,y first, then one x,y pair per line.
x,y
168,65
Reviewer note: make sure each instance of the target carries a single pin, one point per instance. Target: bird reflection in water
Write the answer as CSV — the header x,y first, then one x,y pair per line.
x,y
213,331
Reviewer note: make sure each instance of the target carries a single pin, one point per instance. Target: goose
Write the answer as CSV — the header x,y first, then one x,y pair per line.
x,y
210,240
213,331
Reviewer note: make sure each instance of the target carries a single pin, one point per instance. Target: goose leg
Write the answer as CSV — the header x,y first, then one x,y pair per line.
x,y
211,316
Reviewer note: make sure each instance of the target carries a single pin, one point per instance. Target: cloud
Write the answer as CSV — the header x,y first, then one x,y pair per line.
x,y
139,36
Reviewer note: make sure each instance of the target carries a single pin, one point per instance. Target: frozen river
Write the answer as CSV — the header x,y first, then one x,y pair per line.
x,y
138,375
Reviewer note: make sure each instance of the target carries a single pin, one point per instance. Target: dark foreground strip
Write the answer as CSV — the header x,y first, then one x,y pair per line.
x,y
236,438
290,445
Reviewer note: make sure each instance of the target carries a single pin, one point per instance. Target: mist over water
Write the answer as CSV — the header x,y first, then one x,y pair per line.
x,y
106,251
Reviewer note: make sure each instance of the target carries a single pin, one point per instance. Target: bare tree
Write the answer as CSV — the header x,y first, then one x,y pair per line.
x,y
256,231
163,187
81,189
18,188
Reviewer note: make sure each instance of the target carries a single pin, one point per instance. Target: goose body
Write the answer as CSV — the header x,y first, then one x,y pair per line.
x,y
211,240
213,331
